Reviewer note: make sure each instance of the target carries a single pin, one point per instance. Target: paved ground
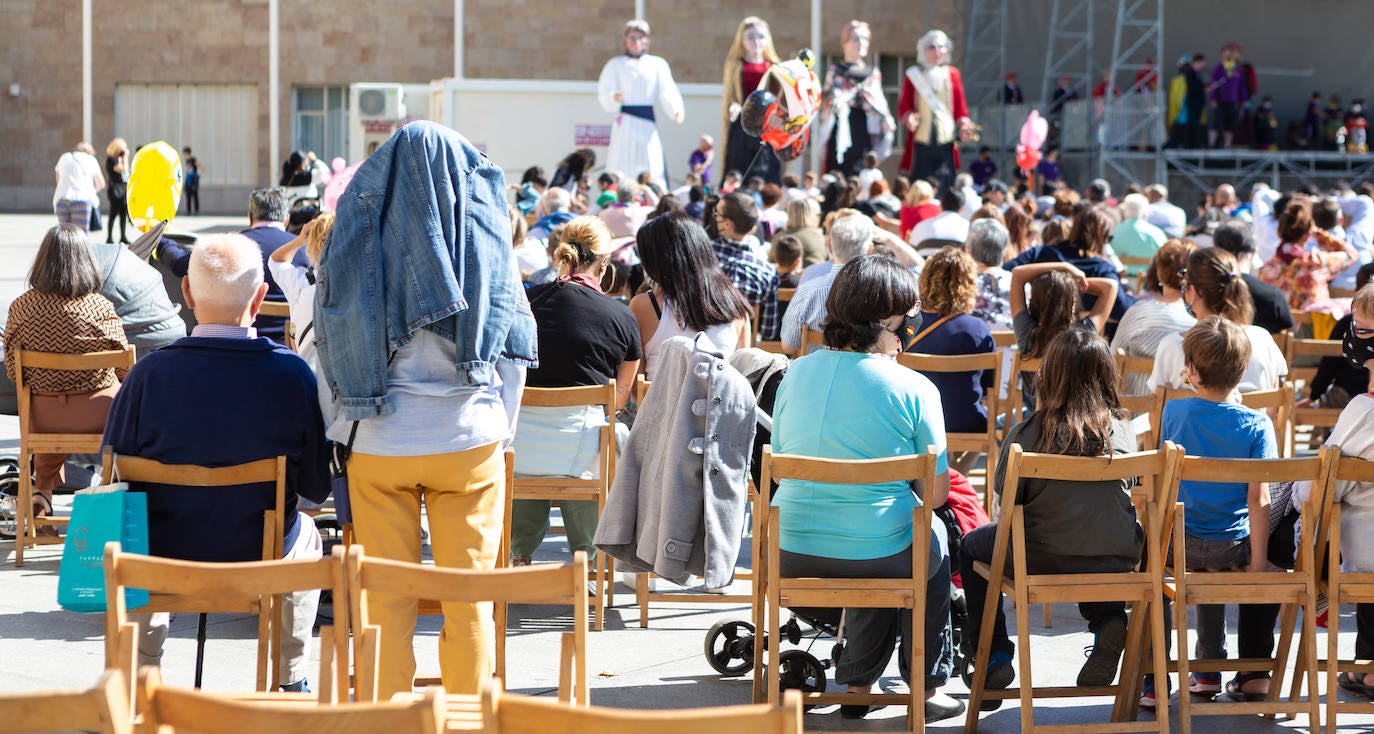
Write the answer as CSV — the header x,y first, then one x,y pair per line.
x,y
659,667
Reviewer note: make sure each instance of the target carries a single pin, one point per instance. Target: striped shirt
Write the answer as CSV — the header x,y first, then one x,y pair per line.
x,y
1141,330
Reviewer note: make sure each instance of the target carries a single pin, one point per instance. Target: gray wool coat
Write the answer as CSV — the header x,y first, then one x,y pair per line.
x,y
677,505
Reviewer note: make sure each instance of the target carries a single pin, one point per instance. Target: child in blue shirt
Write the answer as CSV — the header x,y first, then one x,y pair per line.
x,y
1227,523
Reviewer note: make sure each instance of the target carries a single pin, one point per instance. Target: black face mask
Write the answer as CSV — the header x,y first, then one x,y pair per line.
x,y
906,333
1357,350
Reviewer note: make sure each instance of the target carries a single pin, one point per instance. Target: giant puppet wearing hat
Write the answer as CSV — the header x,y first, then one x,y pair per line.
x,y
933,109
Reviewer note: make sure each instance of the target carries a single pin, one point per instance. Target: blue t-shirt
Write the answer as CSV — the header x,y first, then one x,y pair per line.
x,y
961,393
1217,510
846,405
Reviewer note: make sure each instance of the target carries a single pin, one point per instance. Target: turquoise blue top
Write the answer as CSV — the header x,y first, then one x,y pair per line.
x,y
846,405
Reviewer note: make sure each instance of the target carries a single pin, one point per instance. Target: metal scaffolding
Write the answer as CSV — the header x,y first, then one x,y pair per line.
x,y
1134,120
985,69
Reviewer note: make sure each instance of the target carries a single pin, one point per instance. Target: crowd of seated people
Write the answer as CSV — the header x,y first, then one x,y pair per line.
x,y
420,377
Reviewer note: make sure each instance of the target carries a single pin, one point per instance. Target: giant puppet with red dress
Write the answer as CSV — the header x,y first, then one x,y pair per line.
x,y
935,113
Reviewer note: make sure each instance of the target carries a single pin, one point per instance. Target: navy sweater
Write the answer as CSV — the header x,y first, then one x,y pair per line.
x,y
219,402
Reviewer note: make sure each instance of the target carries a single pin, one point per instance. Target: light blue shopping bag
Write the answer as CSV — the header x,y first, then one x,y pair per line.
x,y
107,514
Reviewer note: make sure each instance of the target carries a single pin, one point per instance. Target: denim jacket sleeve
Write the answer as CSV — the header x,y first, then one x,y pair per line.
x,y
421,240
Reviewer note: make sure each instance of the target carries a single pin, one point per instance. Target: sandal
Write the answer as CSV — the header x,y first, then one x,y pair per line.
x,y
1355,684
42,507
1235,688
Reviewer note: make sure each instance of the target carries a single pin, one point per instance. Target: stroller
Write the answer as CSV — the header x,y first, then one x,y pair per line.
x,y
730,645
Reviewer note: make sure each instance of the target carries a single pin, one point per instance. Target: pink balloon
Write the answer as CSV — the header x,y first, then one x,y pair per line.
x,y
337,184
1027,158
1035,131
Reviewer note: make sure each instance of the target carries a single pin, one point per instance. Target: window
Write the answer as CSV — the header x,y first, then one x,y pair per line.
x,y
319,121
218,122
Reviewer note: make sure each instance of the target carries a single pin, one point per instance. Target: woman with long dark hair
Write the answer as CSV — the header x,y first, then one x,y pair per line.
x,y
1070,528
691,293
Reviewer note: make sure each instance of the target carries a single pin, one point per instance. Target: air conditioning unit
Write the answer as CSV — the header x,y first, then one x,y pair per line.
x,y
378,101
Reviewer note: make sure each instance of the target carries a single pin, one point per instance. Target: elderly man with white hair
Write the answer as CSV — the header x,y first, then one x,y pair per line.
x,y
849,237
987,243
555,208
219,397
1135,237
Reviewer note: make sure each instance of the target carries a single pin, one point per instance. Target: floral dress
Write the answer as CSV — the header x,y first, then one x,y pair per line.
x,y
994,298
1306,275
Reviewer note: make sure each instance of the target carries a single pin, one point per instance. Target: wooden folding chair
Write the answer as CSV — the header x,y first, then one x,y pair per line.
x,y
1341,587
1296,350
103,709
831,593
984,442
32,443
1142,589
136,469
280,309
251,587
1016,401
507,714
171,710
1296,590
1138,261
810,338
777,347
1003,338
574,489
545,583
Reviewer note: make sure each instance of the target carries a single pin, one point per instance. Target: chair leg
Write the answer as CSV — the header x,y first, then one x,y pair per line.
x,y
1309,663
1185,709
1333,657
1023,640
642,596
200,648
1130,661
598,601
24,512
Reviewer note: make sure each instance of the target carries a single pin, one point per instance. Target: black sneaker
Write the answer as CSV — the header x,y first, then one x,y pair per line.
x,y
1105,656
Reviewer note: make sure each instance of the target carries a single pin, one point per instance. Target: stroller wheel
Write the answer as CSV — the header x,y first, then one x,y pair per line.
x,y
9,499
800,670
730,647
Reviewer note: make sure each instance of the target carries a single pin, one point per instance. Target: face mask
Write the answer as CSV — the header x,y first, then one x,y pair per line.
x,y
1187,305
1357,350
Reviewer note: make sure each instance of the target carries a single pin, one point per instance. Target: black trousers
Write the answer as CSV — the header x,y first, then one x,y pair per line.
x,y
934,163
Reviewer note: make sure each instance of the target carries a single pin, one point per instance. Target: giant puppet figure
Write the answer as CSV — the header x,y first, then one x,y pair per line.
x,y
933,109
629,86
854,114
751,55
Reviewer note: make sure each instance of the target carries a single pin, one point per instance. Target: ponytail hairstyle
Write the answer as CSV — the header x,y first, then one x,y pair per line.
x,y
1077,395
582,244
1221,289
1054,307
1167,264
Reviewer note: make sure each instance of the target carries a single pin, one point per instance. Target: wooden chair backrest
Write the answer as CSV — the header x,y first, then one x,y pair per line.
x,y
137,469
1280,401
987,361
544,583
1128,365
810,337
28,359
278,309
177,585
785,294
641,389
1016,401
1301,317
186,710
103,709
1297,348
508,714
777,467
1003,338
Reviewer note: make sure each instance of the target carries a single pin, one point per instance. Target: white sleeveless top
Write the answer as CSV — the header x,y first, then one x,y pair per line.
x,y
721,336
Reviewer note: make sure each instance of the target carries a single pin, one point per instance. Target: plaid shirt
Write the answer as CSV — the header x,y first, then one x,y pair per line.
x,y
756,279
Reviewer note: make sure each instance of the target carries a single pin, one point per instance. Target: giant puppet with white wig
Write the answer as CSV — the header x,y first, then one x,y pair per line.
x,y
629,86
935,113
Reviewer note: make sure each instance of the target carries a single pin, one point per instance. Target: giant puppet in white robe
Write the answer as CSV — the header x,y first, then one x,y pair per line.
x,y
629,86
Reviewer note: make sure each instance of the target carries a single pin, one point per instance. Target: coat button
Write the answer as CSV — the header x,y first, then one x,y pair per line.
x,y
716,401
715,470
715,436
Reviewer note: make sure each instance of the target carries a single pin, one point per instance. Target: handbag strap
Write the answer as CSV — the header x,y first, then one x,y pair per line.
x,y
932,327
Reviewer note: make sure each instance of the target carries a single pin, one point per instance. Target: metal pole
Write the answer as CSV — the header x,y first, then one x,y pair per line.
x,y
273,84
639,9
85,70
816,145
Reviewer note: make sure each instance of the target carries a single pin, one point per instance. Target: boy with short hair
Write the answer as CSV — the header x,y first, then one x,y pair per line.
x,y
1227,523
607,182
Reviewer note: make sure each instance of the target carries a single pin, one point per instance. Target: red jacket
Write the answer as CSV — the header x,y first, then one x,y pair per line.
x,y
907,103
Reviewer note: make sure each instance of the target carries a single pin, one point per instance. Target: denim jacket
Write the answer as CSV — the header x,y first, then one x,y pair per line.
x,y
421,240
